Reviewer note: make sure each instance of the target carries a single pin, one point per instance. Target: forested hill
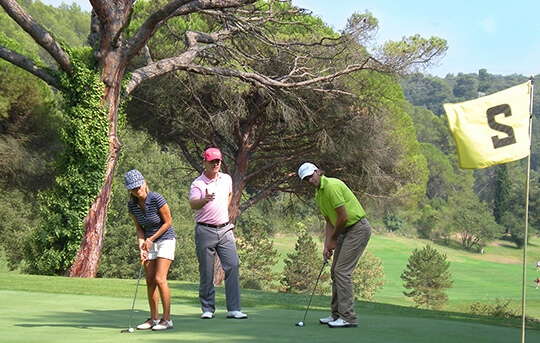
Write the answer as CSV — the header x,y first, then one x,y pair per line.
x,y
431,92
498,190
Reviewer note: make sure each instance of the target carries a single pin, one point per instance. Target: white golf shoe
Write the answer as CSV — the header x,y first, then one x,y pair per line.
x,y
207,315
326,320
236,315
340,323
148,324
163,325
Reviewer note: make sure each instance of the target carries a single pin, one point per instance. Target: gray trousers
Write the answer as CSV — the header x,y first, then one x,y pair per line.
x,y
351,245
208,242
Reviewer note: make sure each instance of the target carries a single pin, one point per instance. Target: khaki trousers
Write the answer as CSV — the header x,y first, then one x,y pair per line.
x,y
350,246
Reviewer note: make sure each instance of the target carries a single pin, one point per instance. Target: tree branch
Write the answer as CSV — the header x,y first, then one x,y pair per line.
x,y
38,33
265,192
174,9
29,65
179,63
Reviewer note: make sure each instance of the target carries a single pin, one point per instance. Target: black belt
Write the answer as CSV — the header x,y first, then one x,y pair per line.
x,y
212,225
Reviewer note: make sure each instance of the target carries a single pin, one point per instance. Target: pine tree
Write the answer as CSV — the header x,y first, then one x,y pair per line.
x,y
428,277
302,267
257,257
503,188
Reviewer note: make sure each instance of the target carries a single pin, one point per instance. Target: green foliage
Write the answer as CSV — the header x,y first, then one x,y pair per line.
x,y
465,87
362,27
280,213
51,248
503,188
473,220
428,276
374,149
393,222
500,309
16,216
441,174
28,127
28,148
368,277
513,218
257,257
414,48
302,267
429,93
67,22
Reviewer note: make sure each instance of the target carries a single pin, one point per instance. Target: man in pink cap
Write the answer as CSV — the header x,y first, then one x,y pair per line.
x,y
210,196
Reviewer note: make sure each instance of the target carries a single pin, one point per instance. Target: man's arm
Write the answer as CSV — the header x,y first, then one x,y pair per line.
x,y
197,203
333,231
329,228
341,221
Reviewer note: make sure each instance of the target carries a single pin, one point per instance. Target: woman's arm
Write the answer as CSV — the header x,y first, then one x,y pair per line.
x,y
140,237
165,214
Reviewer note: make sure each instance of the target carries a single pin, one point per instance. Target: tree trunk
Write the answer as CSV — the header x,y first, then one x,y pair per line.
x,y
238,188
87,260
113,68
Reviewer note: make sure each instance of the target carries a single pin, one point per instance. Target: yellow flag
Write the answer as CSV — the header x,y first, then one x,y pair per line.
x,y
492,129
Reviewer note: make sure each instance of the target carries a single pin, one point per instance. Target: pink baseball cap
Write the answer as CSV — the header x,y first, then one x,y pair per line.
x,y
212,154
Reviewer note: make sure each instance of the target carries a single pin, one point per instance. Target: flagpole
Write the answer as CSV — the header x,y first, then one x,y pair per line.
x,y
527,215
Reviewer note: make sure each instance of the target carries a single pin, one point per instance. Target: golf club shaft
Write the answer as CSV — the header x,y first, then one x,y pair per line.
x,y
316,282
135,297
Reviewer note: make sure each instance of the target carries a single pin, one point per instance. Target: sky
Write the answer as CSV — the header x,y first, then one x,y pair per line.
x,y
498,35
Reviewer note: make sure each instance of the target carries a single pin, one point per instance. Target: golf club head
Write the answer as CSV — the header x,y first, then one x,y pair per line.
x,y
300,324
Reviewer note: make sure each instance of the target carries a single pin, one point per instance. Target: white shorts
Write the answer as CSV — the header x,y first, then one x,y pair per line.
x,y
164,249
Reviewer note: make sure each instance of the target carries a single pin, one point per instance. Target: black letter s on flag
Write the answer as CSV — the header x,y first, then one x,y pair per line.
x,y
508,130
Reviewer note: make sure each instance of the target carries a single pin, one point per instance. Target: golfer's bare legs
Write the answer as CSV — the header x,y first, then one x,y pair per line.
x,y
156,284
151,288
162,270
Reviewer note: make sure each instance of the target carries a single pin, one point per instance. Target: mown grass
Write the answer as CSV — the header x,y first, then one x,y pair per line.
x,y
477,277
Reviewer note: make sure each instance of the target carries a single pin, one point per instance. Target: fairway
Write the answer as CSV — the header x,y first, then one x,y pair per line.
x,y
46,317
496,274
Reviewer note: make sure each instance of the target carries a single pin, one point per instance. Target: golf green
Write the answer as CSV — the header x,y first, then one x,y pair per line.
x,y
49,317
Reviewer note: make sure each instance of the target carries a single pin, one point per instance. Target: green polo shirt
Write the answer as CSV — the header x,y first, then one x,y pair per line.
x,y
333,193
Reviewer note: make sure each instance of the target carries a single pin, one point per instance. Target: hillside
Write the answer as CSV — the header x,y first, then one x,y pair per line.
x,y
497,273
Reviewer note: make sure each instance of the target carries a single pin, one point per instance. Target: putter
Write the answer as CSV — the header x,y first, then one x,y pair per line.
x,y
302,323
130,329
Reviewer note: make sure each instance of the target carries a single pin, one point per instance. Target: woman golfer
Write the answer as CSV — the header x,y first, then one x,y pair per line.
x,y
157,242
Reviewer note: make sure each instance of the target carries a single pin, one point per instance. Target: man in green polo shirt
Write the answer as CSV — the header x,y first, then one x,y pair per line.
x,y
347,235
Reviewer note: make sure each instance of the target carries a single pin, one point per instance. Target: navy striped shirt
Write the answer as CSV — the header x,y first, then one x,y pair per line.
x,y
152,221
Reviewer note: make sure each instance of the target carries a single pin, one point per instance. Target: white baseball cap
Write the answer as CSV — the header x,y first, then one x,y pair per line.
x,y
306,169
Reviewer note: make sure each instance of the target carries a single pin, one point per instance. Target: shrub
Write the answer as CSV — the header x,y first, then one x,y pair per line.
x,y
500,309
368,277
302,267
257,257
